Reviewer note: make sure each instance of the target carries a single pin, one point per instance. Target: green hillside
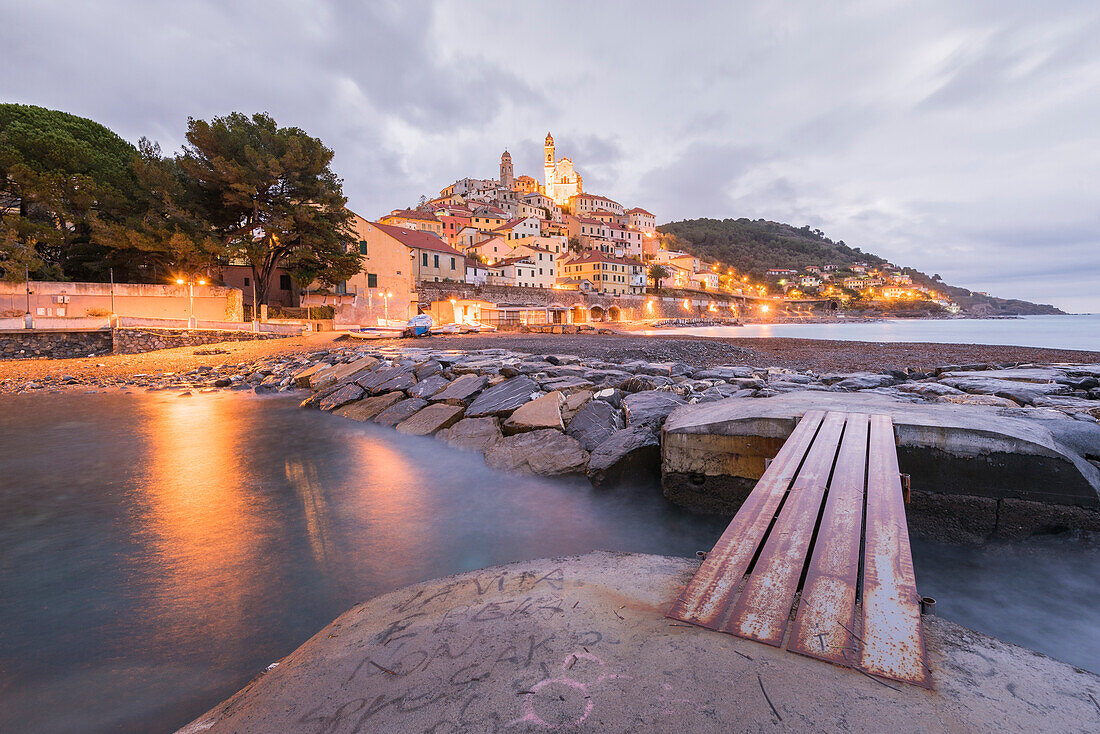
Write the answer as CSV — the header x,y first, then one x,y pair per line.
x,y
754,247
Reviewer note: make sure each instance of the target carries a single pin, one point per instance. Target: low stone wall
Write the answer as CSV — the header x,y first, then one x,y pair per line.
x,y
137,341
29,344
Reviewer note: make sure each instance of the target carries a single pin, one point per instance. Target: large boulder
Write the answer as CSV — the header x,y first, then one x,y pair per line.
x,y
864,381
462,390
542,412
641,383
1024,393
302,377
400,411
501,399
343,396
367,408
430,419
651,407
630,452
547,452
472,434
594,423
429,387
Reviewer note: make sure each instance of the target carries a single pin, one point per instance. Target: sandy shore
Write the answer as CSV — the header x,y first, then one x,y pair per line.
x,y
802,354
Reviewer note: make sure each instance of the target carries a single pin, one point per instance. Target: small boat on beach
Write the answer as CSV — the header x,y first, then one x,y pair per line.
x,y
419,325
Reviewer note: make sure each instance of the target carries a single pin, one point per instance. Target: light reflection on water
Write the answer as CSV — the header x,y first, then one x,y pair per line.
x,y
156,552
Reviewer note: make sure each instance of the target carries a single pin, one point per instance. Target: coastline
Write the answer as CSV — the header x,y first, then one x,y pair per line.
x,y
199,367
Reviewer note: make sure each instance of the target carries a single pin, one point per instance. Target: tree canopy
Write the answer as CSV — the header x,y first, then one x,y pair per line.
x,y
77,200
269,194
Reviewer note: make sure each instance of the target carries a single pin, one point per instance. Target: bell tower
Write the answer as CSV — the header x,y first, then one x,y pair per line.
x,y
548,166
507,179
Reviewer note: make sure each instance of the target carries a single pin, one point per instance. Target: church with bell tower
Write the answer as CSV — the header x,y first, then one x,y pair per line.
x,y
561,182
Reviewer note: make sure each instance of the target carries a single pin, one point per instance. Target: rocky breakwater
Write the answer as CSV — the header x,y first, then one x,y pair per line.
x,y
993,450
549,415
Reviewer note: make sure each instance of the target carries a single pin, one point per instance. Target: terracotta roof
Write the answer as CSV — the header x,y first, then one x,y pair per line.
x,y
599,257
417,239
639,210
525,259
412,214
595,197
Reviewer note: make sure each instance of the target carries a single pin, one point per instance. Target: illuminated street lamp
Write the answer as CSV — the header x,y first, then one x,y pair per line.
x,y
192,322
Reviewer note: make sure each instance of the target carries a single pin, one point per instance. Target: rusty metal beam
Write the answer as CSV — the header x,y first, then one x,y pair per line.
x,y
893,641
826,610
764,606
707,599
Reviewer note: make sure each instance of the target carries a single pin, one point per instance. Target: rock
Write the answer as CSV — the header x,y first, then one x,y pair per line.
x,y
367,408
502,399
399,411
226,382
607,377
641,383
966,399
462,390
725,373
510,371
1023,393
562,359
576,401
428,387
303,377
650,408
611,395
664,369
929,389
633,451
566,385
542,412
430,419
348,370
402,380
723,391
864,381
547,452
427,369
472,434
594,424
343,396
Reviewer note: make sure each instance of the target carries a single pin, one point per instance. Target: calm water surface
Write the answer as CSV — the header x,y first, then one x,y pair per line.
x,y
1052,332
157,552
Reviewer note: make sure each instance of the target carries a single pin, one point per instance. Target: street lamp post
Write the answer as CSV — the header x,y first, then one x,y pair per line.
x,y
192,322
387,298
28,320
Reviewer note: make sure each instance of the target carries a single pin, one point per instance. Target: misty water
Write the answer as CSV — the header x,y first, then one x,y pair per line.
x,y
157,552
1076,331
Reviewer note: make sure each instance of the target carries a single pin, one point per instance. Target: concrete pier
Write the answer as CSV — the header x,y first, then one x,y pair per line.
x,y
582,644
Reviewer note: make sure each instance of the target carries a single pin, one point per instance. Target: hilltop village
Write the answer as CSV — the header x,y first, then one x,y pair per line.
x,y
517,232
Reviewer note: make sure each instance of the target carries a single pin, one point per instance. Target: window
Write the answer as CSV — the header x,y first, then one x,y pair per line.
x,y
284,282
362,247
372,280
452,263
435,260
425,259
540,272
247,282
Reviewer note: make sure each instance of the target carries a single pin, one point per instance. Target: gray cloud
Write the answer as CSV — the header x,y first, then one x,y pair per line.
x,y
956,137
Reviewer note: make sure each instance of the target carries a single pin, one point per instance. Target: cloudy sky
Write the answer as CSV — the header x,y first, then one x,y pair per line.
x,y
962,138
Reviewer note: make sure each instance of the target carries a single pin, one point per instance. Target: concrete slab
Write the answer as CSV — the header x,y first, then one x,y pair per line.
x,y
713,453
582,644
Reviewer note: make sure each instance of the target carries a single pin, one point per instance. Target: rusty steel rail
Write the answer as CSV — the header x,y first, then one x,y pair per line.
x,y
832,467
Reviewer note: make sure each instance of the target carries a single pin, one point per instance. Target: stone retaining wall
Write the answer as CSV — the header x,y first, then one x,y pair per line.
x,y
32,344
137,341
28,344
